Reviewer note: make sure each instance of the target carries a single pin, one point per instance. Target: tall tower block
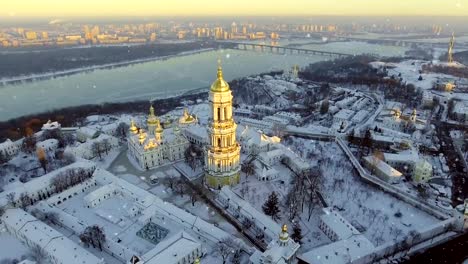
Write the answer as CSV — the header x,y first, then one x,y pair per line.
x,y
222,159
450,49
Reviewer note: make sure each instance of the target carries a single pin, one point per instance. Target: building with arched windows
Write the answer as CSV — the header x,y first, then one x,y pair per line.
x,y
222,159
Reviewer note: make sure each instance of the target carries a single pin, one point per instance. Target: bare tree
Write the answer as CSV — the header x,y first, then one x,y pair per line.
x,y
24,200
42,157
11,199
39,255
97,149
106,145
121,130
225,248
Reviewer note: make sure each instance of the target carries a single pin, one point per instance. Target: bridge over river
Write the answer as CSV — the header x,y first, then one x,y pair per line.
x,y
280,49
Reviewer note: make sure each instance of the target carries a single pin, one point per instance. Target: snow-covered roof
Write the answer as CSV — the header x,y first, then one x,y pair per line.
x,y
99,193
461,107
50,240
172,250
8,144
409,156
344,114
51,125
383,167
360,115
87,131
42,183
248,210
335,222
340,252
47,144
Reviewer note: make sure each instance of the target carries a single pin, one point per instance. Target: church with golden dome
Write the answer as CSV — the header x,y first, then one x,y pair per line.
x,y
155,146
222,156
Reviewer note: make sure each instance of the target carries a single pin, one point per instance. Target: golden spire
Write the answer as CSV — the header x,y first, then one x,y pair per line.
x,y
152,117
220,70
151,110
219,85
284,228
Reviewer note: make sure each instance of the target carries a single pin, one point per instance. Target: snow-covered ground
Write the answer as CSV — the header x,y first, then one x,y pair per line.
x,y
410,72
383,217
11,248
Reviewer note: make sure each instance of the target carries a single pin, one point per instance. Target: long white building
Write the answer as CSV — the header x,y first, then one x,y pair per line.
x,y
58,248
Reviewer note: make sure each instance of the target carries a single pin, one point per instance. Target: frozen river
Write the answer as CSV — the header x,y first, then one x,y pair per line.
x,y
159,78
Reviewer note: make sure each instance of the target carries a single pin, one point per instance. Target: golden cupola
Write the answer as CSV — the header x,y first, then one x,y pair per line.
x,y
133,127
142,136
220,85
284,233
152,119
158,128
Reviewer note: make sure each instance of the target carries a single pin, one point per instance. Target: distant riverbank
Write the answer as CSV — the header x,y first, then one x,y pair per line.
x,y
21,65
44,76
69,116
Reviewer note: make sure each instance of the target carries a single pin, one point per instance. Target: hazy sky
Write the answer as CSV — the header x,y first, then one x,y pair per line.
x,y
63,8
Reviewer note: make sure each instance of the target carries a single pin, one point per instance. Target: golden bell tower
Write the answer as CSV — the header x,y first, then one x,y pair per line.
x,y
222,159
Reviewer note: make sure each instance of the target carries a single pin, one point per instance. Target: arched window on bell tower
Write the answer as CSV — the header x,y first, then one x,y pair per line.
x,y
219,142
219,114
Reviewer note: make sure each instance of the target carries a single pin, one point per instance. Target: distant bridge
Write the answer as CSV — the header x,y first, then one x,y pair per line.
x,y
280,49
396,42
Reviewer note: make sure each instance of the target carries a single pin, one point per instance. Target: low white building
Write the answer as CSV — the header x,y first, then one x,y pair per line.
x,y
180,248
196,134
335,226
403,161
344,115
243,211
351,250
460,110
255,123
9,148
58,248
349,245
85,133
382,170
255,142
279,251
48,145
359,116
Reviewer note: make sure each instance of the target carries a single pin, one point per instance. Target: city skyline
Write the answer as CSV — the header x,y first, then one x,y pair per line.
x,y
74,8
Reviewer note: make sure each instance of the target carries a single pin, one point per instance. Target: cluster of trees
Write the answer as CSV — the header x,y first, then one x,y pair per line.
x,y
229,249
50,218
181,187
98,148
69,178
194,156
304,193
94,236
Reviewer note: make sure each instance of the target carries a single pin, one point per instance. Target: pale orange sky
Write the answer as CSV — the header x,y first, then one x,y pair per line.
x,y
63,8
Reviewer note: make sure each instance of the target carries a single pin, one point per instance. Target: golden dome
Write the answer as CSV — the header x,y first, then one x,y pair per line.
x,y
158,129
220,85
